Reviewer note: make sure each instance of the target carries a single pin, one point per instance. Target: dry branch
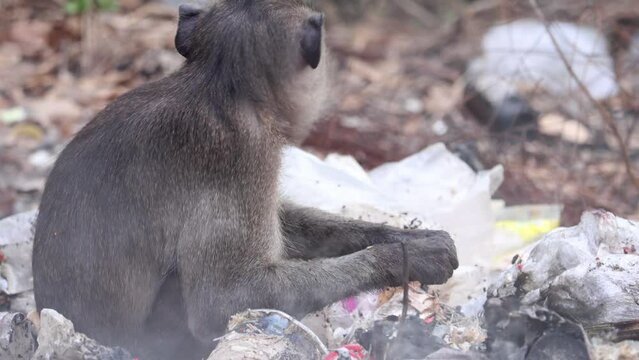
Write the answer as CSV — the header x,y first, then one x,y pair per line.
x,y
415,10
603,112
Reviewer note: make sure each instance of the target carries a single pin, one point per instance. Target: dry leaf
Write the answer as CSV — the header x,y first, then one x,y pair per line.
x,y
569,130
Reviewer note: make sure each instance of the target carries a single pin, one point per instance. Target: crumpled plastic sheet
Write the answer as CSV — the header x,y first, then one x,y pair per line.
x,y
603,350
517,332
587,272
337,323
17,336
347,352
57,339
343,322
432,188
16,245
520,54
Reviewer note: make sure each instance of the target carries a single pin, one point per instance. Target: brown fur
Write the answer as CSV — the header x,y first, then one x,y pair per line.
x,y
161,218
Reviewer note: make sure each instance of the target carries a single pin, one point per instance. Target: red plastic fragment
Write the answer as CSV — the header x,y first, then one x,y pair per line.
x,y
347,352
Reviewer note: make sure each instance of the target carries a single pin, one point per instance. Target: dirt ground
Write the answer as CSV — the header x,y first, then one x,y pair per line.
x,y
399,84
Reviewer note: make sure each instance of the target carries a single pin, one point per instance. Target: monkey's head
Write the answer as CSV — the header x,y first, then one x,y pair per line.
x,y
269,54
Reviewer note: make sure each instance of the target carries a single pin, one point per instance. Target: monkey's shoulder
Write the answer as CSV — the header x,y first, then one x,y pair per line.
x,y
163,123
155,112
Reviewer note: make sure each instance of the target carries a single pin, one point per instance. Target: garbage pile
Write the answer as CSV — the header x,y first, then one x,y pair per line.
x,y
588,272
571,294
49,336
267,334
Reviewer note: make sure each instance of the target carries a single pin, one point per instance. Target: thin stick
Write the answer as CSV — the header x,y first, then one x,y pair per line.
x,y
605,114
415,10
402,319
404,284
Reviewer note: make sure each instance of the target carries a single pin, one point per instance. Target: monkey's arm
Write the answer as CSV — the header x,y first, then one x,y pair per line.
x,y
311,233
297,286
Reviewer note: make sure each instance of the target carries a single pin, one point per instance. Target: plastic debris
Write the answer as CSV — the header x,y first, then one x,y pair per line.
x,y
440,128
519,59
343,322
23,302
416,337
452,354
340,321
529,222
518,332
512,113
267,334
16,244
347,352
42,159
17,336
625,350
519,226
520,54
587,272
26,130
420,303
413,105
619,331
274,324
335,325
458,198
57,340
13,115
391,339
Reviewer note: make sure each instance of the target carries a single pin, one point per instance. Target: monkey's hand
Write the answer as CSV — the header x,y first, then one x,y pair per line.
x,y
431,256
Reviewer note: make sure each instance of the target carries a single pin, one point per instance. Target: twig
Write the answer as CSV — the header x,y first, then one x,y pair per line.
x,y
625,330
415,10
405,285
603,112
402,318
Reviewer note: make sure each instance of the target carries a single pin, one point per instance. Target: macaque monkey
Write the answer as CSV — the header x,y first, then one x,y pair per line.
x,y
161,218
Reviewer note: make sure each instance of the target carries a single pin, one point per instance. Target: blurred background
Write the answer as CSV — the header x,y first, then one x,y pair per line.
x,y
546,88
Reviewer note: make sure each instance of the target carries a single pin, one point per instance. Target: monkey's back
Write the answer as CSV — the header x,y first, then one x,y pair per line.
x,y
113,209
166,203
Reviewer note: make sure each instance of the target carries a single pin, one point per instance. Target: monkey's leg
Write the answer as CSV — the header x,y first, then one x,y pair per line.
x,y
298,287
311,233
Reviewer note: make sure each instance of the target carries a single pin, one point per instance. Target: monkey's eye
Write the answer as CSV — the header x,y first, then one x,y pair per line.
x,y
311,43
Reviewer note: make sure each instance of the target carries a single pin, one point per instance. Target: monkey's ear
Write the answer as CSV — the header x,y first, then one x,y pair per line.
x,y
188,15
312,40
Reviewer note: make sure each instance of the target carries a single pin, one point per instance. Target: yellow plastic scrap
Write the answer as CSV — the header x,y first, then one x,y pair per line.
x,y
26,130
528,230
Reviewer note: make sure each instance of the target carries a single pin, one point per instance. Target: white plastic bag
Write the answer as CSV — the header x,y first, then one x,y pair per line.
x,y
433,187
